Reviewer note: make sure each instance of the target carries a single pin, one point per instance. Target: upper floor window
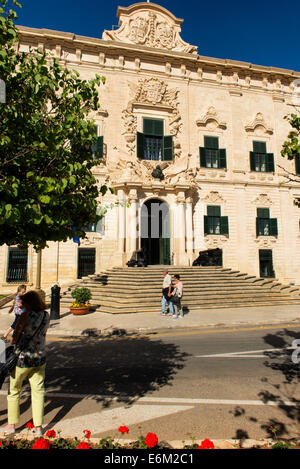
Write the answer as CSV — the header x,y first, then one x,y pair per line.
x,y
265,226
211,156
260,160
97,149
214,223
152,144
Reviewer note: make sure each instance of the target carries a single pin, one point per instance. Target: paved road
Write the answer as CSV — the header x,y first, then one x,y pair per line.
x,y
213,383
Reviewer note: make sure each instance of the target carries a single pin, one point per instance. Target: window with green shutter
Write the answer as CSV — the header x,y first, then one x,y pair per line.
x,y
260,160
265,226
17,265
211,156
97,149
152,144
214,223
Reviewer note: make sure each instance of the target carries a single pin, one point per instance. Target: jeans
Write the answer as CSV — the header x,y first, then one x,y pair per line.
x,y
36,378
164,301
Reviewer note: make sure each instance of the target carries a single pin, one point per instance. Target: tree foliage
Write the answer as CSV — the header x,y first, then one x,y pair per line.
x,y
291,148
47,189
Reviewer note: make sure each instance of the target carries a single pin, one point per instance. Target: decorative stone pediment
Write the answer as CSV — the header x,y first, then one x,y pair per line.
x,y
211,119
150,25
214,197
263,200
215,241
259,125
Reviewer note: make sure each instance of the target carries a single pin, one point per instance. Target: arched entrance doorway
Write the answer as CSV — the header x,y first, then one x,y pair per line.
x,y
155,232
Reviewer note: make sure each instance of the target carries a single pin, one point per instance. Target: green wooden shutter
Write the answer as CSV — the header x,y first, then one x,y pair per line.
x,y
168,148
273,227
297,164
213,211
222,158
153,127
211,142
257,226
263,213
140,145
205,224
270,162
98,153
202,157
252,161
259,147
224,226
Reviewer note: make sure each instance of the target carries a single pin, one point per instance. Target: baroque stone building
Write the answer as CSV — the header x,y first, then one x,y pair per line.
x,y
191,145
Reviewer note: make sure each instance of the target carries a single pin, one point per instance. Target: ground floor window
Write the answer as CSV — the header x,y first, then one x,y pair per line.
x,y
17,265
86,261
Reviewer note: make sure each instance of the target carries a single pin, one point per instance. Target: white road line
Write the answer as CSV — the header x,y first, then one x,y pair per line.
x,y
164,400
247,354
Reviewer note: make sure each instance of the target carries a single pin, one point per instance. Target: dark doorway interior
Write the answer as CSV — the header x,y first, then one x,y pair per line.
x,y
86,261
155,232
266,263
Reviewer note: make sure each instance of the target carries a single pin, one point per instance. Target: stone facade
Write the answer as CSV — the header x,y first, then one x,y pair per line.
x,y
152,73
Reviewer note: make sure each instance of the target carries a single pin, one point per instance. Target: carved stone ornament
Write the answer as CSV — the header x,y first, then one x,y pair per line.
x,y
215,241
157,173
263,200
150,25
211,116
258,125
214,197
154,92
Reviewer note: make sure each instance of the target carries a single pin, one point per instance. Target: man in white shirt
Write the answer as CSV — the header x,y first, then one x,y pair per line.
x,y
166,294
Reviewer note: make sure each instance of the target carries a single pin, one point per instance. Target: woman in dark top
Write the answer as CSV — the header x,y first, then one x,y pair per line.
x,y
29,340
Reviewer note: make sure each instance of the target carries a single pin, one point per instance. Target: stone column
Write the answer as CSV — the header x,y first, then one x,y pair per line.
x,y
180,231
121,223
132,221
189,229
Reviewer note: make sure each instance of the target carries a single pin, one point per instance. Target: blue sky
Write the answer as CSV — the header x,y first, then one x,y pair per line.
x,y
263,32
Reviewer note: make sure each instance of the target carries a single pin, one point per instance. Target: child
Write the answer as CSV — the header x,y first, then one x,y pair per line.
x,y
17,309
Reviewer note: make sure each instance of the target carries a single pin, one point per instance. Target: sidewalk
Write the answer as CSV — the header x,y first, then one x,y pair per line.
x,y
96,323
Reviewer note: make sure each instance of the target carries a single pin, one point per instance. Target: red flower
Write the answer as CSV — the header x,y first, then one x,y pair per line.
x,y
29,425
83,445
41,443
51,434
0,444
123,429
206,444
151,440
87,434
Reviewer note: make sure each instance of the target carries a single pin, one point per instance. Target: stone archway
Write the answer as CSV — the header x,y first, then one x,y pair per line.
x,y
155,232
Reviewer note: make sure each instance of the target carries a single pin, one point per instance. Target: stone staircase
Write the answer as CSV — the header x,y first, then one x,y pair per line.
x,y
134,290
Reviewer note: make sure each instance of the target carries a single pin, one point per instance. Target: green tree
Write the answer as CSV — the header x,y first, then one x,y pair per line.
x,y
291,149
47,189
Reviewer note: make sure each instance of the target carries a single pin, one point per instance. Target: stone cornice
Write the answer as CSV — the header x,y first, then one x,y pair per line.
x,y
85,42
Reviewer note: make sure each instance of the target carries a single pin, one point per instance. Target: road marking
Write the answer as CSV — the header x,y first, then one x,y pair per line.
x,y
106,420
162,400
245,354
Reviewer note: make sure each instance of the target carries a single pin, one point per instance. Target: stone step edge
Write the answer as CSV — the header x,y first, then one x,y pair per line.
x,y
174,444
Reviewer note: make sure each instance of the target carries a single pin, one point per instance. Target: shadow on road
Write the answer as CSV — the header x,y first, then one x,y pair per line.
x,y
119,369
282,387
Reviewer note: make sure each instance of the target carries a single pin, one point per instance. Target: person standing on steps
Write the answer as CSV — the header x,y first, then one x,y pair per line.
x,y
177,294
166,294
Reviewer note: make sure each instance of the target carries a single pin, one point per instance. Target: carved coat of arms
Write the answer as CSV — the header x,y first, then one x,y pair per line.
x,y
164,35
139,30
154,90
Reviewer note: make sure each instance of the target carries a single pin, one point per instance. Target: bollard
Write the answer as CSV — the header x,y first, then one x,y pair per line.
x,y
55,302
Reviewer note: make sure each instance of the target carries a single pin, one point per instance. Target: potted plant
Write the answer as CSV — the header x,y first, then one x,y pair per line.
x,y
81,304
